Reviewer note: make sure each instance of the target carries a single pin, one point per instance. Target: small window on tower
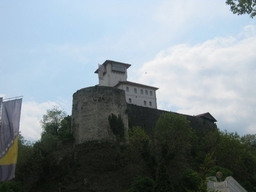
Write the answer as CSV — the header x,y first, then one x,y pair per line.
x,y
130,100
150,103
145,102
127,89
146,92
150,93
141,91
135,90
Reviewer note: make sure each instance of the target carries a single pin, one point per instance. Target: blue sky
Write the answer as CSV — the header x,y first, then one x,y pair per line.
x,y
200,55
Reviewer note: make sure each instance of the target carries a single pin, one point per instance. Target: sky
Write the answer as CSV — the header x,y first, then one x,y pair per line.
x,y
199,54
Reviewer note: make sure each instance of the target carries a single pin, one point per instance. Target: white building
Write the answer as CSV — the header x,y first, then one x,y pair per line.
x,y
114,74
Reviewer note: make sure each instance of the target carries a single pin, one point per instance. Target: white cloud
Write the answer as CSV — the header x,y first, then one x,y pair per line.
x,y
217,75
31,115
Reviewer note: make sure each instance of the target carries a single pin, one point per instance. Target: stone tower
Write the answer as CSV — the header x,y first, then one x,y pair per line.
x,y
91,108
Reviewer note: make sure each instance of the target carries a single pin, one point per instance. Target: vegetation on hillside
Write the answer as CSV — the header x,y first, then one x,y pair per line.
x,y
37,161
174,158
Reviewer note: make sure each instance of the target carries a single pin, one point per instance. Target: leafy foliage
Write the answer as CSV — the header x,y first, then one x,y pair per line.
x,y
37,161
249,141
11,186
172,138
138,138
51,122
174,158
141,146
181,158
117,126
241,7
142,184
163,181
190,180
64,131
225,172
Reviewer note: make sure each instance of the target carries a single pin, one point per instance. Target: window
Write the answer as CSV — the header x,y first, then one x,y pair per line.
x,y
130,100
150,92
145,102
127,89
146,92
135,90
150,103
141,91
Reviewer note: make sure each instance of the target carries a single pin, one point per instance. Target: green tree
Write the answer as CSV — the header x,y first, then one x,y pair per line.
x,y
50,147
141,149
117,126
225,172
142,184
37,161
29,168
11,186
173,137
204,171
229,150
138,138
249,141
51,122
234,155
163,181
241,7
190,180
25,152
64,131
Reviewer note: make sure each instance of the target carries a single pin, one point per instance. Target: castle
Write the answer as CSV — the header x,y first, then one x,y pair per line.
x,y
114,74
135,103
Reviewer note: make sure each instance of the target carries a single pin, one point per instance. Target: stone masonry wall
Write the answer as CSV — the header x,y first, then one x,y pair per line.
x,y
93,105
91,109
146,118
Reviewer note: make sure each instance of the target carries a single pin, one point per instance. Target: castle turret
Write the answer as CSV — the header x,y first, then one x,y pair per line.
x,y
92,107
111,72
114,74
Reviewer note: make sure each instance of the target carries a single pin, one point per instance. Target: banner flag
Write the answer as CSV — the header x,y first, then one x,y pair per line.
x,y
9,132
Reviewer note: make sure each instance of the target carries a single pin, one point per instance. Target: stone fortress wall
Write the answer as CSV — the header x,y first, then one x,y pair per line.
x,y
93,105
146,118
90,111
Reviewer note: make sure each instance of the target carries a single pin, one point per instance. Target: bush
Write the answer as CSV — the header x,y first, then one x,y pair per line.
x,y
142,184
190,180
11,186
117,126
